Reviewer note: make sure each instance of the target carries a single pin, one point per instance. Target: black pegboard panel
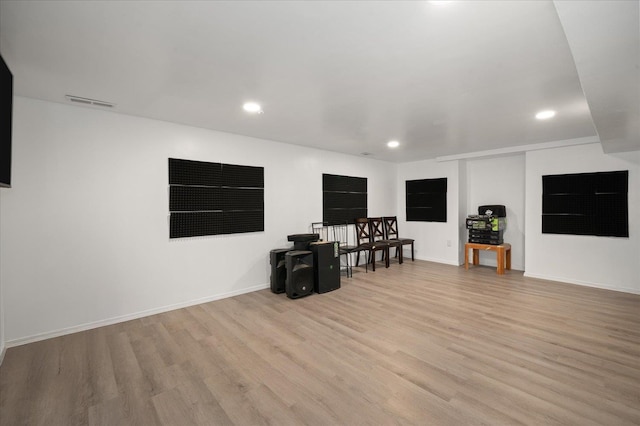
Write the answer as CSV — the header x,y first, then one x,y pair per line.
x,y
586,204
199,173
195,224
341,216
430,199
214,198
243,199
438,185
235,222
350,200
339,183
344,198
242,176
426,200
194,198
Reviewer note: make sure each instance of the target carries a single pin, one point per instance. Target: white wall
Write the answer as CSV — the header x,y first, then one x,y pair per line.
x,y
594,261
435,241
500,180
84,230
85,226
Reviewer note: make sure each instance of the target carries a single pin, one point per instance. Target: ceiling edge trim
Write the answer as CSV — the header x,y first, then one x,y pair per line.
x,y
520,149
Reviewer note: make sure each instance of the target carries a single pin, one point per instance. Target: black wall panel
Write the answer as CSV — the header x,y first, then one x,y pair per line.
x,y
214,198
194,198
242,176
586,204
195,224
243,199
344,198
426,200
188,172
235,222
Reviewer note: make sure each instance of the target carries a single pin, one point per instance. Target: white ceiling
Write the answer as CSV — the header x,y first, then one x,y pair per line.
x,y
347,76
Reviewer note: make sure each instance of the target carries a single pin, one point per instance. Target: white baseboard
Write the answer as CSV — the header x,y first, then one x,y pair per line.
x,y
435,260
128,317
582,283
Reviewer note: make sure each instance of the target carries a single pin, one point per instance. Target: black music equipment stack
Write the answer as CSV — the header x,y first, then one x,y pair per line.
x,y
488,226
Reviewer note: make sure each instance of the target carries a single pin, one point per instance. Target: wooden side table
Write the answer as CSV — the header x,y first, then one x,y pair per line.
x,y
503,253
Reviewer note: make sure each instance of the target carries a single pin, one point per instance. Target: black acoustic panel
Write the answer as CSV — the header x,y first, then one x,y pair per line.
x,y
342,216
347,200
340,183
426,214
236,222
198,173
438,185
586,183
242,176
586,204
426,200
6,106
194,198
429,199
242,199
582,204
574,224
195,224
612,182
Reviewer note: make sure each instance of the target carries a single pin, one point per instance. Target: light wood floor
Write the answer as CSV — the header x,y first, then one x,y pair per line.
x,y
418,343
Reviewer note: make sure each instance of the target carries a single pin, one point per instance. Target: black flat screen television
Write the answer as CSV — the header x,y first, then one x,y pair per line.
x,y
6,109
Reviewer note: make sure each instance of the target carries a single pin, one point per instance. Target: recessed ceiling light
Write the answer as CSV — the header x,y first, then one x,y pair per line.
x,y
252,107
393,144
543,115
441,2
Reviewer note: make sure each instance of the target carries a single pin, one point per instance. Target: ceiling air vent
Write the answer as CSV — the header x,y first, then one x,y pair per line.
x,y
87,101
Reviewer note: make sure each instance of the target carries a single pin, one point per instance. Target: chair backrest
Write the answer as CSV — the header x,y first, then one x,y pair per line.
x,y
341,234
390,227
320,228
376,228
362,230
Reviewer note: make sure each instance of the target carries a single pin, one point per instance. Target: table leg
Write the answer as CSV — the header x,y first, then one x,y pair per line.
x,y
466,258
501,259
476,256
508,258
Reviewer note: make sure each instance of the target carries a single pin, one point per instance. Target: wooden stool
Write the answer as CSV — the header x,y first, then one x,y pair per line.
x,y
503,253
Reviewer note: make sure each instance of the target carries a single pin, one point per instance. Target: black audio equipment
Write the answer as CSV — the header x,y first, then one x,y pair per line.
x,y
488,226
486,237
497,210
278,270
326,265
299,282
301,241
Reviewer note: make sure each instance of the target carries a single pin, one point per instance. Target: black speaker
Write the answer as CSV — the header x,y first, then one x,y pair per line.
x,y
301,241
278,270
299,281
326,265
496,210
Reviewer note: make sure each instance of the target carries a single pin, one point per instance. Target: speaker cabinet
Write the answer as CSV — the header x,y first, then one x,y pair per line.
x,y
299,282
278,270
301,241
326,265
